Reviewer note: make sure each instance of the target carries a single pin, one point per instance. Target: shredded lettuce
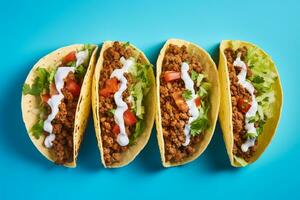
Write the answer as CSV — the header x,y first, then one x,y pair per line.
x,y
80,72
137,98
140,88
138,91
250,135
40,83
89,47
187,94
263,79
201,123
139,128
37,129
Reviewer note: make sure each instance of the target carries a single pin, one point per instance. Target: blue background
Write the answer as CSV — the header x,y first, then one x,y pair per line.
x,y
32,29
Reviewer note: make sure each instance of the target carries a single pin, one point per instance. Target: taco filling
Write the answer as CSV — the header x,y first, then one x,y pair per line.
x,y
252,94
184,100
58,89
122,87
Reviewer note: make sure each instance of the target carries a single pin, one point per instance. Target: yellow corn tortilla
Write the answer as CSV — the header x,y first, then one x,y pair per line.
x,y
149,102
30,103
225,115
210,70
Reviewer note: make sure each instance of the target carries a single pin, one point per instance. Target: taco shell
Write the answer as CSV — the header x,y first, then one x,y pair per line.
x,y
225,114
30,103
150,106
214,98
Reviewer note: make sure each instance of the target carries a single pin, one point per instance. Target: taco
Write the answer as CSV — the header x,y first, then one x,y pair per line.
x,y
56,102
123,101
188,91
251,100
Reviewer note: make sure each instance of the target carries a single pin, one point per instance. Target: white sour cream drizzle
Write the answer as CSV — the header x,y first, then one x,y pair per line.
x,y
193,110
122,137
254,106
55,100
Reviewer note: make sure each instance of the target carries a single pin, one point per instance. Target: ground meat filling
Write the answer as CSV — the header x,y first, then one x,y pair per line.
x,y
237,91
173,119
111,148
63,126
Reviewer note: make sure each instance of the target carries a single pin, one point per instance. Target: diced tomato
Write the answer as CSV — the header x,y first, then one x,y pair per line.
x,y
69,58
180,102
73,87
116,129
111,86
243,105
45,97
105,92
129,118
198,101
171,76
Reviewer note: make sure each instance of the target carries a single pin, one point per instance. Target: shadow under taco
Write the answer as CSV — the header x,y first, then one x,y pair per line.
x,y
123,101
56,101
251,100
188,91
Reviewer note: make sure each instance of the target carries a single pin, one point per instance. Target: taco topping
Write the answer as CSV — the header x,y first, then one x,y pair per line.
x,y
123,84
184,103
190,100
250,109
54,102
122,106
58,89
252,94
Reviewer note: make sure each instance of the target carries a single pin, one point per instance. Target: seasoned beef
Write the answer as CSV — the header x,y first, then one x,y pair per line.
x,y
111,149
238,92
173,118
63,127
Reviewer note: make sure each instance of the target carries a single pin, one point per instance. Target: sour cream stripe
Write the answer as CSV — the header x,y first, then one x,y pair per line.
x,y
122,137
55,100
249,126
193,110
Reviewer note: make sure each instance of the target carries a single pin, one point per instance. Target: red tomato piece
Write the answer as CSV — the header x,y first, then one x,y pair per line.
x,y
116,129
105,92
171,76
129,118
73,87
198,101
69,58
111,86
45,97
243,105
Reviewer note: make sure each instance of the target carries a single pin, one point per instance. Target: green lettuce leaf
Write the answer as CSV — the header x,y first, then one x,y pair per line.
x,y
37,129
187,95
263,79
80,72
140,88
40,83
201,123
139,128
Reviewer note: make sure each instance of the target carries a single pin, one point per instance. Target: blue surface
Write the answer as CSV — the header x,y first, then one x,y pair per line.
x,y
31,30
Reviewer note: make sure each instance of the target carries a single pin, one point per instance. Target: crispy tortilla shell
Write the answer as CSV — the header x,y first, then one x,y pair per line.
x,y
225,115
149,102
30,103
210,70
